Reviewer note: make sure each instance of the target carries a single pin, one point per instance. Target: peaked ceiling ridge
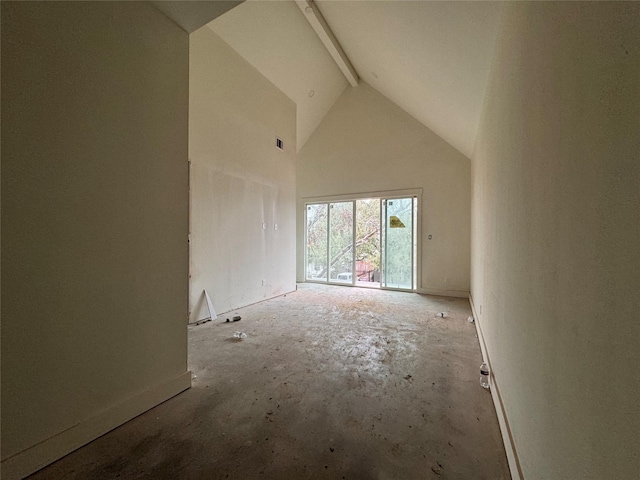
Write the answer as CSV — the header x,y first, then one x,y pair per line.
x,y
328,39
432,59
393,105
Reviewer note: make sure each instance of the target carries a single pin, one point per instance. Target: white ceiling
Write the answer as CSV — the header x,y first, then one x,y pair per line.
x,y
275,37
431,58
190,16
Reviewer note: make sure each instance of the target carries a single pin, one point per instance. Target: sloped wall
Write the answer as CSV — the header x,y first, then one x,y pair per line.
x,y
276,38
556,235
239,180
367,144
94,222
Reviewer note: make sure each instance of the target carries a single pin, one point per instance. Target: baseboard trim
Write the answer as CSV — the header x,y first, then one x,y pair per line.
x,y
48,451
443,293
505,429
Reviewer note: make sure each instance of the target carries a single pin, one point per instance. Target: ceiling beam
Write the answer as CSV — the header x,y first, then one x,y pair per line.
x,y
319,24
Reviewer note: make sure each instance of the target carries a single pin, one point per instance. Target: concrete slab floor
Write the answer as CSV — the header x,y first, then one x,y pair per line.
x,y
331,383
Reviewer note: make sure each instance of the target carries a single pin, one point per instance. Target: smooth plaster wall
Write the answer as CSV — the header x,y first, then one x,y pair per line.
x,y
367,144
276,38
556,236
239,180
94,217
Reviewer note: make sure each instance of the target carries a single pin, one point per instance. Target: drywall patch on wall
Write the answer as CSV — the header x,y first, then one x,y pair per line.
x,y
366,144
94,212
555,257
242,186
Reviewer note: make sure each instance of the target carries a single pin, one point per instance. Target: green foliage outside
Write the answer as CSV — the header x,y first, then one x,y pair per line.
x,y
368,241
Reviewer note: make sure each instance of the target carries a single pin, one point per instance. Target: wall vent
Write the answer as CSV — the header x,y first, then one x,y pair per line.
x,y
279,143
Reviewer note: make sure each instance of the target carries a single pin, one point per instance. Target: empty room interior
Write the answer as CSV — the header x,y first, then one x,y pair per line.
x,y
388,194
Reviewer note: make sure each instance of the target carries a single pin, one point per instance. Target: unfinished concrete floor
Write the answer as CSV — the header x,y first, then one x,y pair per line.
x,y
331,383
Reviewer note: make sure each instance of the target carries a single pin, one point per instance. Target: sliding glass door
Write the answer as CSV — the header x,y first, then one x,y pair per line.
x,y
317,241
330,242
367,242
399,243
341,242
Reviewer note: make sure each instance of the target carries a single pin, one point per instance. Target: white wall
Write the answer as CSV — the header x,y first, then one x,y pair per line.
x,y
366,144
94,221
276,38
556,235
431,58
239,180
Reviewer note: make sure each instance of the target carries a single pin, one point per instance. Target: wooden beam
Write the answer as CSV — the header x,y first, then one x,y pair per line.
x,y
319,24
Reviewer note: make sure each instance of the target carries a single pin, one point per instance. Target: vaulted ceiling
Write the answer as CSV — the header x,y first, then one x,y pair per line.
x,y
430,58
277,40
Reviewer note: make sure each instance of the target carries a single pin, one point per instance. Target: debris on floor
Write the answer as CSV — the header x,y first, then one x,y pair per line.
x,y
470,320
239,335
204,320
236,318
389,395
443,315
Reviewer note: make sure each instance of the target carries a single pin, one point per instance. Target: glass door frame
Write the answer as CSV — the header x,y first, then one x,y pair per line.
x,y
382,196
353,243
327,278
415,242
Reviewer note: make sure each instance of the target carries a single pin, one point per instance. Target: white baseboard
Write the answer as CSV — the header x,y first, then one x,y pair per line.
x,y
505,430
443,293
48,451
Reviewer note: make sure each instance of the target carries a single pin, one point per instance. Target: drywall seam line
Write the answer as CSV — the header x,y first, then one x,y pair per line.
x,y
505,428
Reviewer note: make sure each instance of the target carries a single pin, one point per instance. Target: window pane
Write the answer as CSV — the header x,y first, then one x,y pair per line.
x,y
317,242
399,243
368,242
341,243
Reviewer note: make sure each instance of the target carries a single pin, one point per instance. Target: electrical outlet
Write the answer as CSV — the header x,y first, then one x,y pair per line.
x,y
264,283
264,226
275,226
